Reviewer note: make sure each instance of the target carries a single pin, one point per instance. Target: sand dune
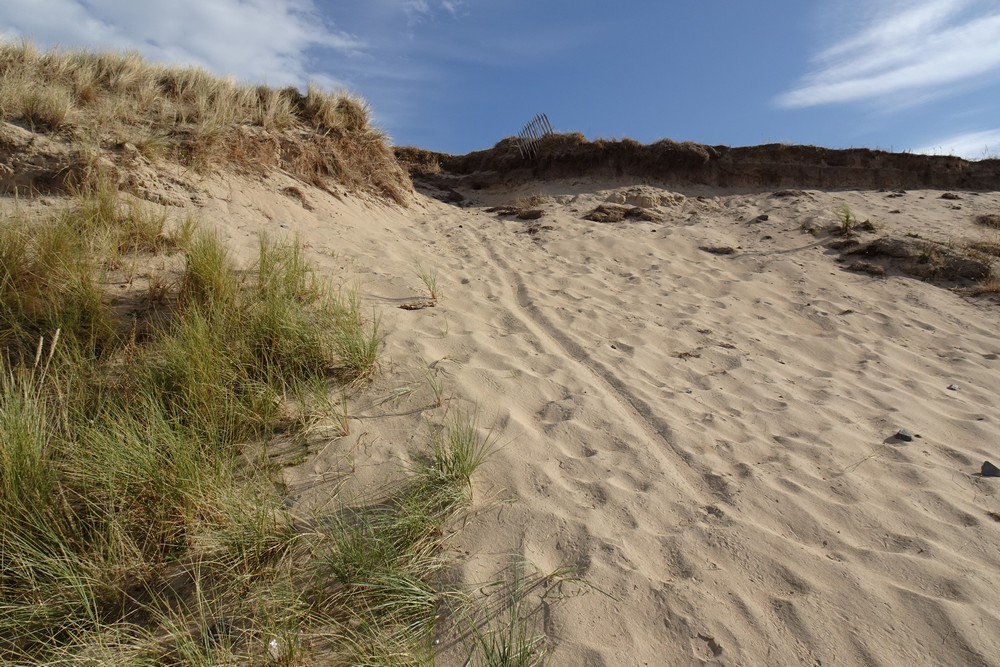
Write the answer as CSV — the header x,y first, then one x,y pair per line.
x,y
706,438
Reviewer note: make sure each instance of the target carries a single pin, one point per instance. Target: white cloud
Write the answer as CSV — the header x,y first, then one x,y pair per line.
x,y
416,7
971,145
419,10
254,40
909,50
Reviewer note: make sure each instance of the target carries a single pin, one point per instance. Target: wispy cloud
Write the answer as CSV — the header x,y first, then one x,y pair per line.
x,y
267,40
911,49
418,11
971,145
416,7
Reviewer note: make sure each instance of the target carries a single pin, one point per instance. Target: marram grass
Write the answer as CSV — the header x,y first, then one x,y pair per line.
x,y
101,101
137,527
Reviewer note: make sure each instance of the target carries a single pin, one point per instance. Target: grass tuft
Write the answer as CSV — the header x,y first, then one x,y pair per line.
x,y
847,221
49,281
989,220
991,248
356,341
381,562
988,287
429,277
508,634
459,450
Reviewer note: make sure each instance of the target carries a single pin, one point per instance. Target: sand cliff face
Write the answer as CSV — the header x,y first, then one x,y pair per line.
x,y
769,166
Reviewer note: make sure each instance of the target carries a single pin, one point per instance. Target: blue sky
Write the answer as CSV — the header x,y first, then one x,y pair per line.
x,y
459,75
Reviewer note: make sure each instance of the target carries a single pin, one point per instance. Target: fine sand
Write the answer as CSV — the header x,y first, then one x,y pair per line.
x,y
706,439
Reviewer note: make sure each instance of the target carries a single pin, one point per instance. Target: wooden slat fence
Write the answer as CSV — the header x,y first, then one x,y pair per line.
x,y
532,133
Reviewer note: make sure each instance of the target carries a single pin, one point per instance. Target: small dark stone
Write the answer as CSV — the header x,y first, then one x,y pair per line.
x,y
990,470
950,195
904,435
953,387
718,249
763,217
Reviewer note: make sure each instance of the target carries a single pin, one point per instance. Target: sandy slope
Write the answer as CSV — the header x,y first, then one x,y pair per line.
x,y
706,438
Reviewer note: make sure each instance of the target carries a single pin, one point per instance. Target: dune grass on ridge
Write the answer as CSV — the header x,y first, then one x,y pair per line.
x,y
185,114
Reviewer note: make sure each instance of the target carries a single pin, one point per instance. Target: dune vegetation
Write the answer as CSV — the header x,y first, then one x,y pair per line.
x,y
138,511
143,520
103,101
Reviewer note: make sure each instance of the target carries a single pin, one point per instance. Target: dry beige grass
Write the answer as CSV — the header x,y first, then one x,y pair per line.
x,y
187,115
989,220
986,247
991,287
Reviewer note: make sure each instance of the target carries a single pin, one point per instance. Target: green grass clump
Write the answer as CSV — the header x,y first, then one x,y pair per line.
x,y
847,221
381,562
508,634
52,274
429,277
246,339
49,281
459,450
